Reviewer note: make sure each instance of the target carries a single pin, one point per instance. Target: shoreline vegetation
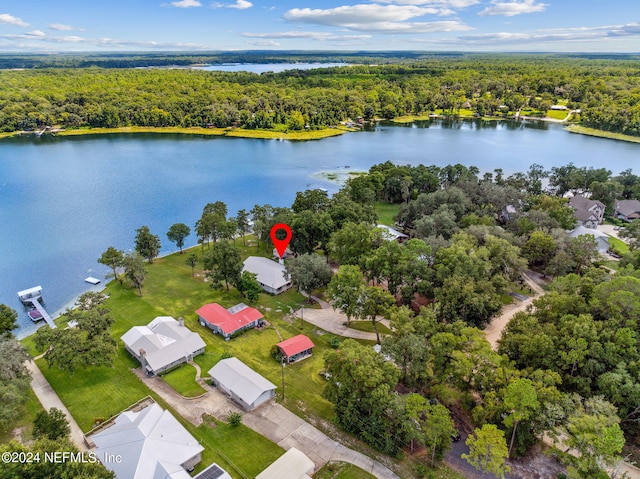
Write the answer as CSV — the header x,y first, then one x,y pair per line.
x,y
228,132
583,130
304,135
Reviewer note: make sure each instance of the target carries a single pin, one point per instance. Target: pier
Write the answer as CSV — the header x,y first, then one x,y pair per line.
x,y
32,296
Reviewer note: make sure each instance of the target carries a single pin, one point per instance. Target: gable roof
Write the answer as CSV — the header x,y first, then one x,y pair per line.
x,y
293,464
390,234
229,320
268,272
295,345
151,442
628,207
583,214
240,379
582,230
163,340
580,202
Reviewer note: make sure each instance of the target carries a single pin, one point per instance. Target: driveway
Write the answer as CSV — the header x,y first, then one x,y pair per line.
x,y
271,420
335,322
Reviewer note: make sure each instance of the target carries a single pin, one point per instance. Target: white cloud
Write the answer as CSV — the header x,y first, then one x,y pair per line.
x,y
35,33
264,43
186,3
411,27
241,4
11,20
61,27
357,14
319,36
600,34
509,9
447,4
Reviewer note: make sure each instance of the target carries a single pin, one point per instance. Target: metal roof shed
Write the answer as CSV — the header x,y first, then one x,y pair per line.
x,y
293,464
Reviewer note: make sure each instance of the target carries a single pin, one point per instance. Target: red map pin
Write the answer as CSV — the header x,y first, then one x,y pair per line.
x,y
280,244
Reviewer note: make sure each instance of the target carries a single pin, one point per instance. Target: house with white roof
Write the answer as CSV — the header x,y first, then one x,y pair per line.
x,y
150,443
270,274
245,386
601,238
392,234
293,464
162,344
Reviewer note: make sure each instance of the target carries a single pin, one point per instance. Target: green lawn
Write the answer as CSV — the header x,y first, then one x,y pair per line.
x,y
386,212
619,245
341,470
557,114
602,134
367,326
183,380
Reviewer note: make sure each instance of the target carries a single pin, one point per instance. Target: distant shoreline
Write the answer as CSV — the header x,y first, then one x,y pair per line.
x,y
303,135
583,130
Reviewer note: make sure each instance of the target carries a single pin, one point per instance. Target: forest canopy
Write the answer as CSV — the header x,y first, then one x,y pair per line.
x,y
605,90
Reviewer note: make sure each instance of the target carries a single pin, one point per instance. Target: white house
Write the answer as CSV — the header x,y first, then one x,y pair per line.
x,y
391,234
150,443
270,274
601,238
245,386
162,344
293,464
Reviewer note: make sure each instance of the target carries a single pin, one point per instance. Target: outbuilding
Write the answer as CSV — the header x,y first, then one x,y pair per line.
x,y
297,348
601,238
245,386
293,464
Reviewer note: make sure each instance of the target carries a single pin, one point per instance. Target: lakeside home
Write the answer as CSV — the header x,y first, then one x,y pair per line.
x,y
163,344
270,274
227,322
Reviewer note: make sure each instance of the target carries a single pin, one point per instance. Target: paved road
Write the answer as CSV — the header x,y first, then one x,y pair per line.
x,y
48,398
270,420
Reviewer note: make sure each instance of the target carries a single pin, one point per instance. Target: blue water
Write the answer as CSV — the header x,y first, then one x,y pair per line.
x,y
63,201
267,67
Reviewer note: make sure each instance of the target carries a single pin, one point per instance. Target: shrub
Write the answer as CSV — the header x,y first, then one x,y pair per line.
x,y
235,419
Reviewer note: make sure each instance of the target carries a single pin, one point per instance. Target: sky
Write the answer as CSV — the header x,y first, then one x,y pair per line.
x,y
38,26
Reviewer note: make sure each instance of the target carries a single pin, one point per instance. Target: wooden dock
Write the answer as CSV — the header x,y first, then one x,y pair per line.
x,y
42,311
32,296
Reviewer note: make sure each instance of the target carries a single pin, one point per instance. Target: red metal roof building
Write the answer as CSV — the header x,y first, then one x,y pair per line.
x,y
296,348
228,321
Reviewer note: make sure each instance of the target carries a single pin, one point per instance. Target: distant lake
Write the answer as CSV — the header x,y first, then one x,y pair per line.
x,y
63,201
267,67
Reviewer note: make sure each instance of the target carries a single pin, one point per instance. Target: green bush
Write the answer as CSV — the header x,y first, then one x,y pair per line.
x,y
235,419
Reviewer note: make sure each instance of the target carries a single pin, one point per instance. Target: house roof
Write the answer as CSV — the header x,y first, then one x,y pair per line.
x,y
295,345
229,320
151,442
163,340
578,202
583,214
240,379
628,207
390,234
268,272
293,464
581,230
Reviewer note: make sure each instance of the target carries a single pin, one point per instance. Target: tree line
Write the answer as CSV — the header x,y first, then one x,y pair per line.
x,y
603,89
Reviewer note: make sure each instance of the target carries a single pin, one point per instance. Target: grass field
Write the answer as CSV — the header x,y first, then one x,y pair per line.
x,y
386,212
557,114
23,425
342,470
367,326
183,381
582,130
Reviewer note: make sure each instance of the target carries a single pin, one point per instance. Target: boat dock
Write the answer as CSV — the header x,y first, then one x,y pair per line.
x,y
32,296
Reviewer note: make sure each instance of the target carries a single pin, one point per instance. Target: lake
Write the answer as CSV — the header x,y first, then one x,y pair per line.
x,y
63,201
266,67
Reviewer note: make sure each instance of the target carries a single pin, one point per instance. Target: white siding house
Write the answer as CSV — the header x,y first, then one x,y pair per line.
x,y
270,274
162,344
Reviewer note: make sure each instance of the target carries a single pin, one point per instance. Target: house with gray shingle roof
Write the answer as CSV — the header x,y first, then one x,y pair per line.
x,y
162,344
270,274
589,213
627,210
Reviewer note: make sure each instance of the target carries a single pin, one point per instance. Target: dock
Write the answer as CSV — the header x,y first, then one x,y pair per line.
x,y
32,296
